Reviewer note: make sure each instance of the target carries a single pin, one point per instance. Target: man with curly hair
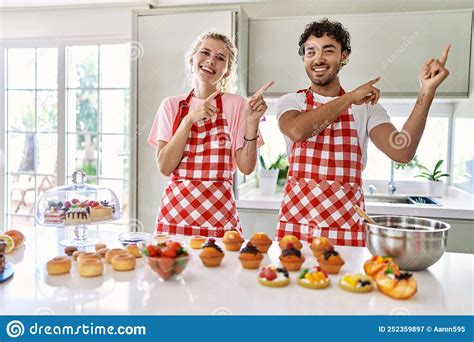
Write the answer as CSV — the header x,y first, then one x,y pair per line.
x,y
327,130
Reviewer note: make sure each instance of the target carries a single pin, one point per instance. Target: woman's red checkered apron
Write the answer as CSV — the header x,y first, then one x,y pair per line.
x,y
324,183
198,199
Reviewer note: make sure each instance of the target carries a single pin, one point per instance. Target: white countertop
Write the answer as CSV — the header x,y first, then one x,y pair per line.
x,y
446,288
455,204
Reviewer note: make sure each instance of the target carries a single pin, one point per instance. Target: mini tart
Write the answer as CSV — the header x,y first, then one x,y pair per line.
x,y
314,278
90,268
232,240
273,276
377,264
58,265
196,242
290,239
212,254
123,262
358,283
17,236
261,241
88,255
69,250
10,243
133,250
250,257
291,258
99,246
113,252
331,261
396,284
319,245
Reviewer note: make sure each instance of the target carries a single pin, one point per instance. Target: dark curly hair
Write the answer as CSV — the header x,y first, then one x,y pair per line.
x,y
333,29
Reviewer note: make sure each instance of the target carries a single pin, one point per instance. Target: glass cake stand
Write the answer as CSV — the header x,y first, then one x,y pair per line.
x,y
78,205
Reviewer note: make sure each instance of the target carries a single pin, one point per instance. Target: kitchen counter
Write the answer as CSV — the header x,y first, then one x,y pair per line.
x,y
455,204
446,288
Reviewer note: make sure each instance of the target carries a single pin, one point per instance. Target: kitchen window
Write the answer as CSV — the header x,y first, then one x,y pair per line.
x,y
67,108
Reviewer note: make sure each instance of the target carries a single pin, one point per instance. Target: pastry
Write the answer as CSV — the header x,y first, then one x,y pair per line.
x,y
99,211
396,284
196,242
313,278
290,239
377,264
331,261
273,276
55,213
319,245
69,250
358,283
10,243
103,252
291,258
90,267
76,254
132,249
261,241
212,254
77,216
58,265
123,262
3,260
113,252
232,240
17,237
250,257
88,255
100,246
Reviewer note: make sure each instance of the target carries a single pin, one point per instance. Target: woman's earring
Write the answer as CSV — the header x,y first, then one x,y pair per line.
x,y
223,82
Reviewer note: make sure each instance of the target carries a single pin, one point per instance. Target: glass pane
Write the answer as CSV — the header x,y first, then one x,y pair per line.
x,y
44,183
21,152
463,157
20,221
82,110
115,66
47,153
21,68
21,190
21,110
82,153
114,156
47,71
114,110
378,164
47,109
82,66
433,147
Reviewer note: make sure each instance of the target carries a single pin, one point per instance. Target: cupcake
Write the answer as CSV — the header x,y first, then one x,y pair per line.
x,y
330,261
358,283
211,254
196,241
290,239
314,278
261,241
319,245
291,258
273,276
250,257
378,264
396,284
232,240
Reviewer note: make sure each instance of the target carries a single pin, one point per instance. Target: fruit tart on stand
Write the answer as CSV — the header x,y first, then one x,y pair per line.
x,y
77,205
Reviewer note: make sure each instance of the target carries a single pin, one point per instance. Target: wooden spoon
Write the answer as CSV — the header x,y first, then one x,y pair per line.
x,y
364,215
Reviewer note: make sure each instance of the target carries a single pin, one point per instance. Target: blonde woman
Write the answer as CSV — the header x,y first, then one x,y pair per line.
x,y
201,138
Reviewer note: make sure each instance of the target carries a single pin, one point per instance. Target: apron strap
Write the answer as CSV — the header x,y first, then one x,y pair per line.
x,y
183,109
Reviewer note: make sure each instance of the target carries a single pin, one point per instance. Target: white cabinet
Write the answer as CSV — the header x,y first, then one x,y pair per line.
x,y
161,39
393,46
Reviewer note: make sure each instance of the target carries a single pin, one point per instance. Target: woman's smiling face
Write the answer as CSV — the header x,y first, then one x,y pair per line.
x,y
210,61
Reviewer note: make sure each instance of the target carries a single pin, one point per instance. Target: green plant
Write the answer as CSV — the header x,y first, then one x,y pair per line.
x,y
415,162
434,175
281,163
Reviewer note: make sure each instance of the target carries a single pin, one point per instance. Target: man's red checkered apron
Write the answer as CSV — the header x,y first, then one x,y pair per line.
x,y
324,183
198,199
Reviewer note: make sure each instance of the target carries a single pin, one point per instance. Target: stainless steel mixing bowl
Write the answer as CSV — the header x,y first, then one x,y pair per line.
x,y
414,243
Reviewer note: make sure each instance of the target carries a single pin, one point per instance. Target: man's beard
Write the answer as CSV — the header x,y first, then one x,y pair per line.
x,y
322,82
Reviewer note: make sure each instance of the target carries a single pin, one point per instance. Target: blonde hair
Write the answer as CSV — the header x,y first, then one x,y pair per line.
x,y
230,84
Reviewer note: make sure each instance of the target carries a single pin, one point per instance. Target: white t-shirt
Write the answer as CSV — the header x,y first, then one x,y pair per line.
x,y
366,117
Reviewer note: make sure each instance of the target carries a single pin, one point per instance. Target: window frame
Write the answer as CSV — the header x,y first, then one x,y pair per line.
x,y
61,45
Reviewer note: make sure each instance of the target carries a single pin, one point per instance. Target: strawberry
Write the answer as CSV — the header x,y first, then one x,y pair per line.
x,y
93,204
262,273
67,204
75,201
153,251
270,274
173,245
169,253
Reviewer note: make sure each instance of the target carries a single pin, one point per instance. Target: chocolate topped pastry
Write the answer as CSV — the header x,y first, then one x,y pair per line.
x,y
250,248
212,243
291,250
329,252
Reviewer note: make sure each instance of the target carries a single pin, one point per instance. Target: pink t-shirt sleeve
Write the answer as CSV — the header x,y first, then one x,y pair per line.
x,y
162,128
